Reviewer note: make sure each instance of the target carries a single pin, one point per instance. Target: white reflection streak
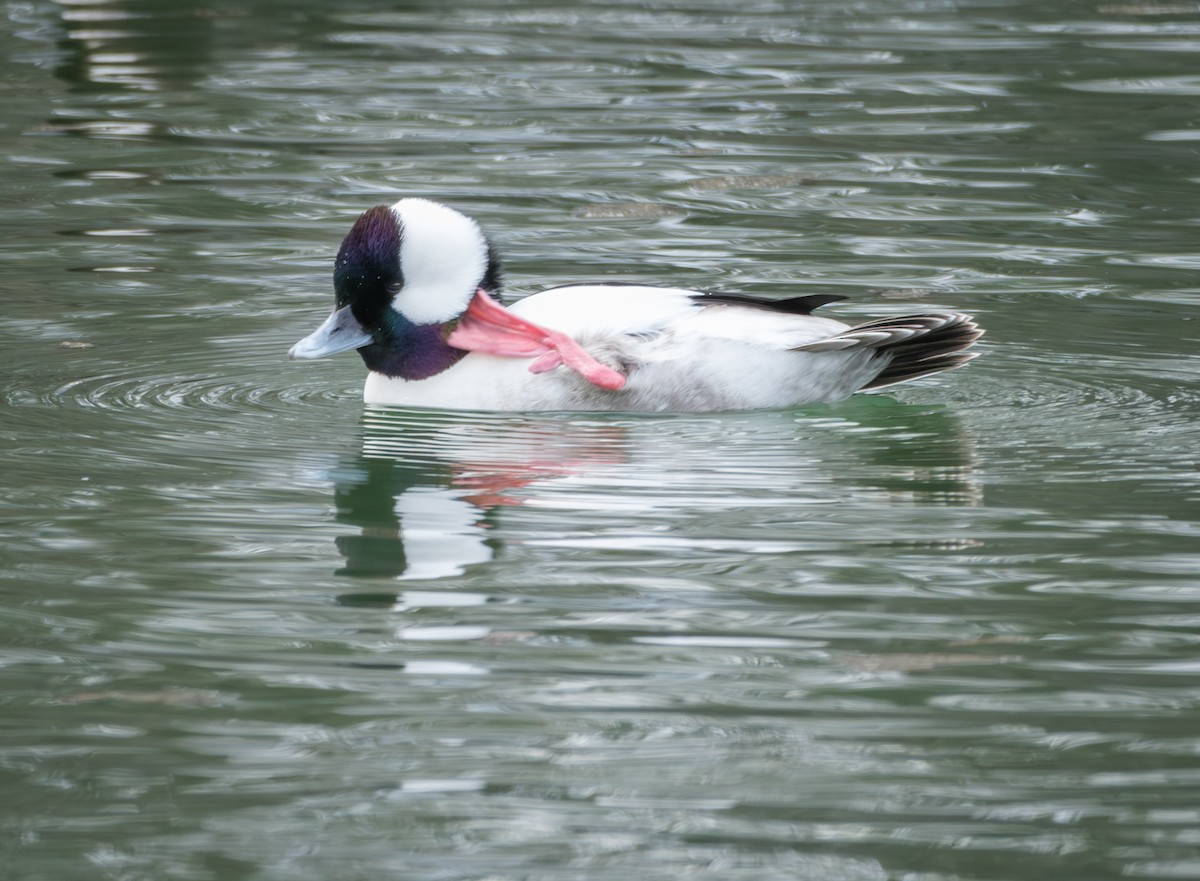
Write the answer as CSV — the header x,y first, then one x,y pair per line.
x,y
441,534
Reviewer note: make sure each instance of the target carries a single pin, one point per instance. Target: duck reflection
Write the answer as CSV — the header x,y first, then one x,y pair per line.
x,y
429,490
427,486
407,529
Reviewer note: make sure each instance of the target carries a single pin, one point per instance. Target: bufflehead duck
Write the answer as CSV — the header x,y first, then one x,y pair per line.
x,y
415,288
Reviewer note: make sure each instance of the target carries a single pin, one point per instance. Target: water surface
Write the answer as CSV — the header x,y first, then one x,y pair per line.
x,y
251,630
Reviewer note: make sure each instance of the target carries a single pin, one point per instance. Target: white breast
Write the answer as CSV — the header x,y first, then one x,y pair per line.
x,y
477,382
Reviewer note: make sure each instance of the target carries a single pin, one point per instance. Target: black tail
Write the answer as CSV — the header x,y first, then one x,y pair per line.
x,y
918,344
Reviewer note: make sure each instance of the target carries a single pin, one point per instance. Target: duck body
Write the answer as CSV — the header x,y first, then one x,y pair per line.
x,y
676,355
415,287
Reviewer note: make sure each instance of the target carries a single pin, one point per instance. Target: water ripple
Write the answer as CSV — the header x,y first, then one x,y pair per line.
x,y
115,391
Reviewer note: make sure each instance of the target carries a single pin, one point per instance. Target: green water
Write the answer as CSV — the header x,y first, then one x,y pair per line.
x,y
250,631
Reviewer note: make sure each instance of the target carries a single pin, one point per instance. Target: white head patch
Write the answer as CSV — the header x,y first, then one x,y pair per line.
x,y
443,256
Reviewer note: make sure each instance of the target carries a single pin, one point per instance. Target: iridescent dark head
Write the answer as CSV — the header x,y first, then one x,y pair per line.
x,y
402,272
367,274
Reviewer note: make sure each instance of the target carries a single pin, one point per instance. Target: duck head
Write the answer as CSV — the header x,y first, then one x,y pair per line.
x,y
404,274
